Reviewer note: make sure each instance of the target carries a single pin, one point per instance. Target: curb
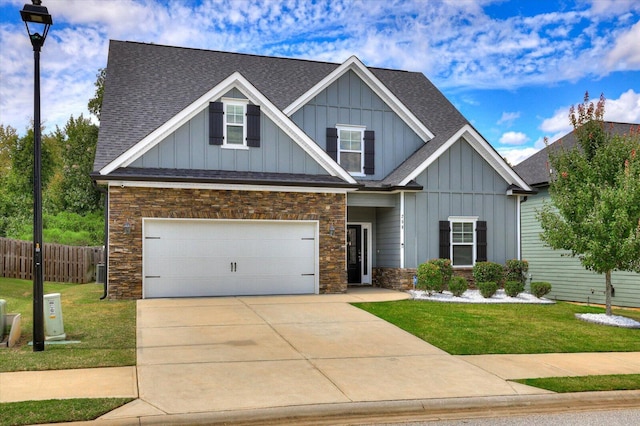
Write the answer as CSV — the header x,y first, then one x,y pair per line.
x,y
405,410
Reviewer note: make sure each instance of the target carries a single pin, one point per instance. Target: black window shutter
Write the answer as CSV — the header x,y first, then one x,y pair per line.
x,y
445,236
332,143
216,123
369,152
481,241
253,125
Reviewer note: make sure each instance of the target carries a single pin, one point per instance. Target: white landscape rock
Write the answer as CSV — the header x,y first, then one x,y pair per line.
x,y
474,296
614,320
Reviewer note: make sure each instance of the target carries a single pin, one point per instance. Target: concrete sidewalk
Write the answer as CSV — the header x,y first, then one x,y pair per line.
x,y
281,357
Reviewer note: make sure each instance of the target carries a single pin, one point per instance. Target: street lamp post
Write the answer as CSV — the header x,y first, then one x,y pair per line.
x,y
39,15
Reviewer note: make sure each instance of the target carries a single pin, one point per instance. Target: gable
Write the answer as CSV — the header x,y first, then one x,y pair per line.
x,y
354,65
188,147
477,144
462,169
242,85
350,101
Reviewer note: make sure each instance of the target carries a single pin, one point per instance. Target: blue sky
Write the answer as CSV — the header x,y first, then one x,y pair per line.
x,y
512,67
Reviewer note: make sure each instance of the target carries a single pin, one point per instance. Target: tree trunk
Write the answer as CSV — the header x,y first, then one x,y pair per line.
x,y
607,293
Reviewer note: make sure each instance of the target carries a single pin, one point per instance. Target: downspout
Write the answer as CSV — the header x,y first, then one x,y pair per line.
x,y
402,230
518,229
106,235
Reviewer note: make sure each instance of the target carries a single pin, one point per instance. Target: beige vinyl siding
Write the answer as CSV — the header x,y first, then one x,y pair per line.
x,y
569,279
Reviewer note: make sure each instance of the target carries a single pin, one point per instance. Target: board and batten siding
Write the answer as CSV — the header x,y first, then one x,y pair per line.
x,y
188,148
569,279
350,101
459,183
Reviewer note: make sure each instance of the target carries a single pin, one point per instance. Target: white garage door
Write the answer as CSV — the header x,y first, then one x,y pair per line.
x,y
190,258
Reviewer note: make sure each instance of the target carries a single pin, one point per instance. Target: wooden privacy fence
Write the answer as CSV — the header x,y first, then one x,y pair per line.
x,y
66,264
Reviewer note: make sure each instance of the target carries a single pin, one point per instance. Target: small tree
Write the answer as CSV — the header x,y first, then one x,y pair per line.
x,y
595,194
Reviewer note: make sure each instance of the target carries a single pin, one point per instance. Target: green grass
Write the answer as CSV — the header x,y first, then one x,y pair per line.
x,y
55,411
473,329
106,329
586,383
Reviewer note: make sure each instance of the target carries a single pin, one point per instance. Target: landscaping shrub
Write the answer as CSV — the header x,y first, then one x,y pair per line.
x,y
487,288
515,270
540,288
429,278
488,271
513,288
445,269
457,286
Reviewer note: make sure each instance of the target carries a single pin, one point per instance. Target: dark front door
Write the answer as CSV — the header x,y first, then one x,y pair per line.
x,y
354,254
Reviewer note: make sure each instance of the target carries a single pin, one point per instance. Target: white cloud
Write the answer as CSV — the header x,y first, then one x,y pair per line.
x,y
558,123
625,109
508,118
513,138
626,52
517,155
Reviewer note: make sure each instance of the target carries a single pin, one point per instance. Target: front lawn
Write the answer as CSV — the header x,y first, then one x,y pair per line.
x,y
586,383
474,329
56,410
105,328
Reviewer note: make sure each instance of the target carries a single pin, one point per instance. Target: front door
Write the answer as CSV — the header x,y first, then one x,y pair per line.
x,y
354,254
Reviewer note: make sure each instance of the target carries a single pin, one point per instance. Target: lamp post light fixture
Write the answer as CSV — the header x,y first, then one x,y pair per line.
x,y
39,18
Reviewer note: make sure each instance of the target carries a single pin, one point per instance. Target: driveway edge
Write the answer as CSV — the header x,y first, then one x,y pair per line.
x,y
405,410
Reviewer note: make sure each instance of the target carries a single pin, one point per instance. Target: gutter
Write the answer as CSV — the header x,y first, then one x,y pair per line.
x,y
106,235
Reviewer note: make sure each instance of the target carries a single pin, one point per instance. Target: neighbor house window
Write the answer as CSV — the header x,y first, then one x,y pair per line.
x,y
351,148
235,134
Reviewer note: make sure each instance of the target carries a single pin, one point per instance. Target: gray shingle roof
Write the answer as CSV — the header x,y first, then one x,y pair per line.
x,y
148,84
535,169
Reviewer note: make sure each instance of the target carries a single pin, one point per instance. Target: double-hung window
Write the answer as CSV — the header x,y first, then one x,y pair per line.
x,y
463,240
351,148
235,129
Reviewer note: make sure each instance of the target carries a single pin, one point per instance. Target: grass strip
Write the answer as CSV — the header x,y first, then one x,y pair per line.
x,y
105,328
476,329
585,383
57,410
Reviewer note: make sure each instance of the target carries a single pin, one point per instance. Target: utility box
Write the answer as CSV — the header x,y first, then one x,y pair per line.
x,y
53,325
101,273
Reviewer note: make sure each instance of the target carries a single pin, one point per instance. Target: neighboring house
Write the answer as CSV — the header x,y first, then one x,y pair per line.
x,y
569,279
235,174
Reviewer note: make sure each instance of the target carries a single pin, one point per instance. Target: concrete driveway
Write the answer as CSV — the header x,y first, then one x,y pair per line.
x,y
222,354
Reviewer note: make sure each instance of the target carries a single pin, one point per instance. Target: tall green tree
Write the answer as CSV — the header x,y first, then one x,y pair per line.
x,y
95,103
75,191
16,191
595,196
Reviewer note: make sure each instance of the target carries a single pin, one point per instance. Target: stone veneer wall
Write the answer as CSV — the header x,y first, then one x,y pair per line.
x,y
394,278
133,204
402,278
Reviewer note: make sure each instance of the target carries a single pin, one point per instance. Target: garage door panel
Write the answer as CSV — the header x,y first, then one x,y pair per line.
x,y
188,258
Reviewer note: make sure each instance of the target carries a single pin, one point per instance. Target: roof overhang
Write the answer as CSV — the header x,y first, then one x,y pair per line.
x,y
355,65
234,81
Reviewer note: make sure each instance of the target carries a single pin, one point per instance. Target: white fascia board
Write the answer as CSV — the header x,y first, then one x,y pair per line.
x,y
482,147
355,65
235,80
223,187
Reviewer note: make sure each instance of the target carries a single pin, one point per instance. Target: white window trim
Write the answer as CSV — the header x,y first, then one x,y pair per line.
x,y
360,129
474,245
240,102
